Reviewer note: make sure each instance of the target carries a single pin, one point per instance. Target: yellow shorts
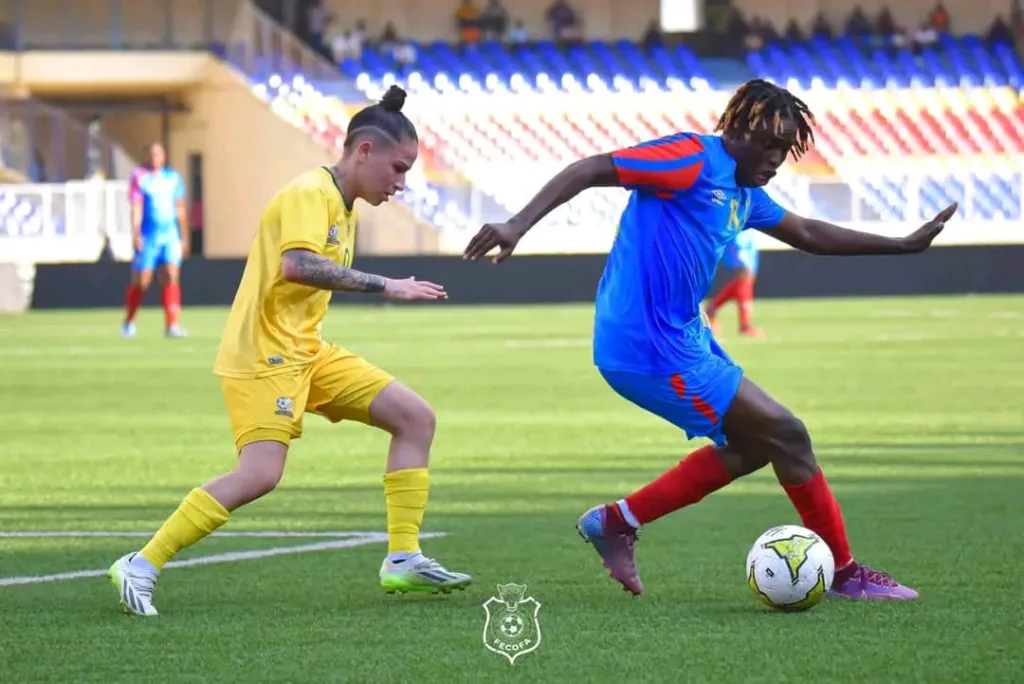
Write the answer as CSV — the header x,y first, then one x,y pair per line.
x,y
337,385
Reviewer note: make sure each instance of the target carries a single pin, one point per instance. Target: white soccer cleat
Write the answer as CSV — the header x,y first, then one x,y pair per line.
x,y
135,587
420,574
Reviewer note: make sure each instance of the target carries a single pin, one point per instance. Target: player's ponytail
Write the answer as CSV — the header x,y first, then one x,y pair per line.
x,y
383,120
393,100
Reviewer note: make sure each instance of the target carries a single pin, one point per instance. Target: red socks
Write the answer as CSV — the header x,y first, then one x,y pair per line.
x,y
820,513
693,478
172,304
742,290
727,292
132,300
745,300
702,473
171,299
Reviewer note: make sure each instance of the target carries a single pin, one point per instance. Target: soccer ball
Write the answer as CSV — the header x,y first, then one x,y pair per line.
x,y
790,568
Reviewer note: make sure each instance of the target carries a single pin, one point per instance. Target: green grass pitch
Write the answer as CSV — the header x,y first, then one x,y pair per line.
x,y
915,407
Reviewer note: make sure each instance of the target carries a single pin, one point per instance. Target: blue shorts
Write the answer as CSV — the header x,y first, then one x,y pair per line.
x,y
694,400
737,257
157,252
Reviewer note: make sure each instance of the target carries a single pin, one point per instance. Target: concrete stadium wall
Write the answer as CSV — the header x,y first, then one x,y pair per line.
x,y
562,279
149,23
69,24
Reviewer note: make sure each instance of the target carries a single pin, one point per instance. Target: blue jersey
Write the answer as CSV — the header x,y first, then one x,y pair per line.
x,y
159,192
685,208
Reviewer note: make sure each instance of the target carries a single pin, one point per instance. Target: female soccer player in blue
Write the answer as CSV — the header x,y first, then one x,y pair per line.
x,y
691,195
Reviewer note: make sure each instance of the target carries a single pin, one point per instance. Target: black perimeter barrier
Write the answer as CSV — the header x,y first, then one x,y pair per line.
x,y
565,279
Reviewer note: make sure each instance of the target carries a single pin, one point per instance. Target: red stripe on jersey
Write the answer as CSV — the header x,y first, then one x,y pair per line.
x,y
675,149
664,183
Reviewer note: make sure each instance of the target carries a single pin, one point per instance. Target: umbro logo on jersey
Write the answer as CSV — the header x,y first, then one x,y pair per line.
x,y
332,235
718,197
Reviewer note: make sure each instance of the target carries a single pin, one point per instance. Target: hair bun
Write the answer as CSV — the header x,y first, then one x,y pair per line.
x,y
393,99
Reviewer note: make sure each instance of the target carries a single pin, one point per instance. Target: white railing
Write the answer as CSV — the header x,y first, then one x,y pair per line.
x,y
910,196
588,223
64,222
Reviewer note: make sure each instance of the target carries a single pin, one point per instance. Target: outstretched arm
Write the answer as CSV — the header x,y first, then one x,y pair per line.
x,y
820,237
305,224
665,167
307,268
592,172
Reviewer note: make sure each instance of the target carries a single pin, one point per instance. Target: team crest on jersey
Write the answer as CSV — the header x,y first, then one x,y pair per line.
x,y
332,235
284,407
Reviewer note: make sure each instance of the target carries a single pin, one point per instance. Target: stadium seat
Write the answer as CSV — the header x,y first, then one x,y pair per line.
x,y
900,134
21,217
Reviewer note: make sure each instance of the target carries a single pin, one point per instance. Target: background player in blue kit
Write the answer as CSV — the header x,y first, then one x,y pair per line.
x,y
160,237
691,195
741,257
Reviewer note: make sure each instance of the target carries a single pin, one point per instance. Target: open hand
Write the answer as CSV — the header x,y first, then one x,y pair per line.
x,y
502,235
412,290
921,239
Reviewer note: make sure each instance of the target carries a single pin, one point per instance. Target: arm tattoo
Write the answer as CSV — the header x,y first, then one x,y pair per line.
x,y
317,271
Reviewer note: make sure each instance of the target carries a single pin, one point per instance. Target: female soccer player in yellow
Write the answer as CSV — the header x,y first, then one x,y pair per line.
x,y
274,366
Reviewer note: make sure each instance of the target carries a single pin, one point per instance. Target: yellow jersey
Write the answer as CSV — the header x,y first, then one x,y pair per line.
x,y
274,324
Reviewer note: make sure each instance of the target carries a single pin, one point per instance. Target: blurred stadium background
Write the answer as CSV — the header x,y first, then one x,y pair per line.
x,y
918,104
913,402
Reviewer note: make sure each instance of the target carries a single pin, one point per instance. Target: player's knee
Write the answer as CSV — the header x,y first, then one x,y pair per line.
x,y
416,420
792,437
260,475
404,414
262,479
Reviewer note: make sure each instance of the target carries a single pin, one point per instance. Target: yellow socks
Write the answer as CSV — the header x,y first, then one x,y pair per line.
x,y
197,516
405,492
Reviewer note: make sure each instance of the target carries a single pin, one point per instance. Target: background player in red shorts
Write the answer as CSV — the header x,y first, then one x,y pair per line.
x,y
160,237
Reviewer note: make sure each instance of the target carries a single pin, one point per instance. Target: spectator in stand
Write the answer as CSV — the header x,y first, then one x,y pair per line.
x,y
565,25
858,23
348,45
821,27
755,40
999,32
405,54
938,20
494,20
885,29
518,35
793,32
652,36
318,18
467,19
388,39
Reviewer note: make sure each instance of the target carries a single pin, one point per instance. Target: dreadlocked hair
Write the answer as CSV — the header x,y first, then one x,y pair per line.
x,y
760,105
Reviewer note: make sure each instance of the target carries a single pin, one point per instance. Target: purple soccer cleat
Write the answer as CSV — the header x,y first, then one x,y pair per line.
x,y
867,584
614,540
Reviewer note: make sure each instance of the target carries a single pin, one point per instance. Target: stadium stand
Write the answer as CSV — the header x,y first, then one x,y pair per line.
x,y
902,134
901,131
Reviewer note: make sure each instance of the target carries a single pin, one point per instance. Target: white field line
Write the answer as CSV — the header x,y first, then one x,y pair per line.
x,y
361,540
283,534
